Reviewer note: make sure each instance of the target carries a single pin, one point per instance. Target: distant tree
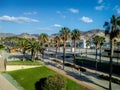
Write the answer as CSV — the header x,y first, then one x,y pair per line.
x,y
57,40
101,42
75,35
65,35
33,46
96,42
112,28
43,39
51,43
23,46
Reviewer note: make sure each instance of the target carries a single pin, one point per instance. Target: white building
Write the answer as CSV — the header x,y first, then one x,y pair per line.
x,y
80,43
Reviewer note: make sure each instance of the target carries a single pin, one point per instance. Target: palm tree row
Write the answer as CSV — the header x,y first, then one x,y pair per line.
x,y
112,28
64,35
98,41
31,45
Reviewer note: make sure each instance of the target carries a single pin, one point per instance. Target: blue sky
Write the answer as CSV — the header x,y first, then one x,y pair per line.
x,y
49,16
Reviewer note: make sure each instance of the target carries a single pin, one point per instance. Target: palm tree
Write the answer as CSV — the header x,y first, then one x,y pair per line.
x,y
23,46
101,42
96,42
43,38
112,29
65,35
87,44
51,43
33,46
57,40
75,35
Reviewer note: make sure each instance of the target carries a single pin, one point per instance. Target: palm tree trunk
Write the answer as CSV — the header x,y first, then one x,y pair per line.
x,y
56,51
32,55
74,51
63,57
96,58
100,54
86,52
110,63
96,54
23,56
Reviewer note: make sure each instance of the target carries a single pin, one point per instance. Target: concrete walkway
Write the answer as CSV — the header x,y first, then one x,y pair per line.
x,y
88,79
5,84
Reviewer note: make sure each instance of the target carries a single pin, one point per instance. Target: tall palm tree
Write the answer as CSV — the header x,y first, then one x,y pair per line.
x,y
23,46
65,35
101,42
113,30
87,44
33,46
43,39
57,40
96,42
75,35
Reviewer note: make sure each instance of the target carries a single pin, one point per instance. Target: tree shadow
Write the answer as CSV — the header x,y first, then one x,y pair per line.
x,y
38,84
85,79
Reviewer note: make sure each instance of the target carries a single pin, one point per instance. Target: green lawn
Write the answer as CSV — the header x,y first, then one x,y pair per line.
x,y
28,77
26,62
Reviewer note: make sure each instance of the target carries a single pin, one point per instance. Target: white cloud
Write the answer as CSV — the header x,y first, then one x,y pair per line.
x,y
86,19
101,7
100,1
17,19
57,25
30,13
73,10
61,14
118,10
58,12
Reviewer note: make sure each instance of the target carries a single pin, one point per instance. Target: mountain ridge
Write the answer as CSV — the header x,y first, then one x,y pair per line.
x,y
84,34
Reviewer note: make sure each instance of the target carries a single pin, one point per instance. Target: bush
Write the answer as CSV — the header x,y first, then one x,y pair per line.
x,y
75,66
69,64
2,46
57,61
105,77
55,82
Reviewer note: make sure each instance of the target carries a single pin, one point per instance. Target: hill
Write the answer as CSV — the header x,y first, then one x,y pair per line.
x,y
84,35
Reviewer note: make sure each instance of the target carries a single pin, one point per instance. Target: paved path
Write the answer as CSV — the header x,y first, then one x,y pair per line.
x,y
88,79
5,84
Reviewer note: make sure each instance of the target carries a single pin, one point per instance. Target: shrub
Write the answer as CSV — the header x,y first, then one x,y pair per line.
x,y
75,66
2,46
57,61
69,64
55,82
105,77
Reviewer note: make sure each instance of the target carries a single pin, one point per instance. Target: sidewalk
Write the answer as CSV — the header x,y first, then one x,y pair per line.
x,y
5,84
88,79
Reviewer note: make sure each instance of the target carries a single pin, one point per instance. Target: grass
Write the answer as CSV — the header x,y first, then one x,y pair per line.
x,y
26,62
28,77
